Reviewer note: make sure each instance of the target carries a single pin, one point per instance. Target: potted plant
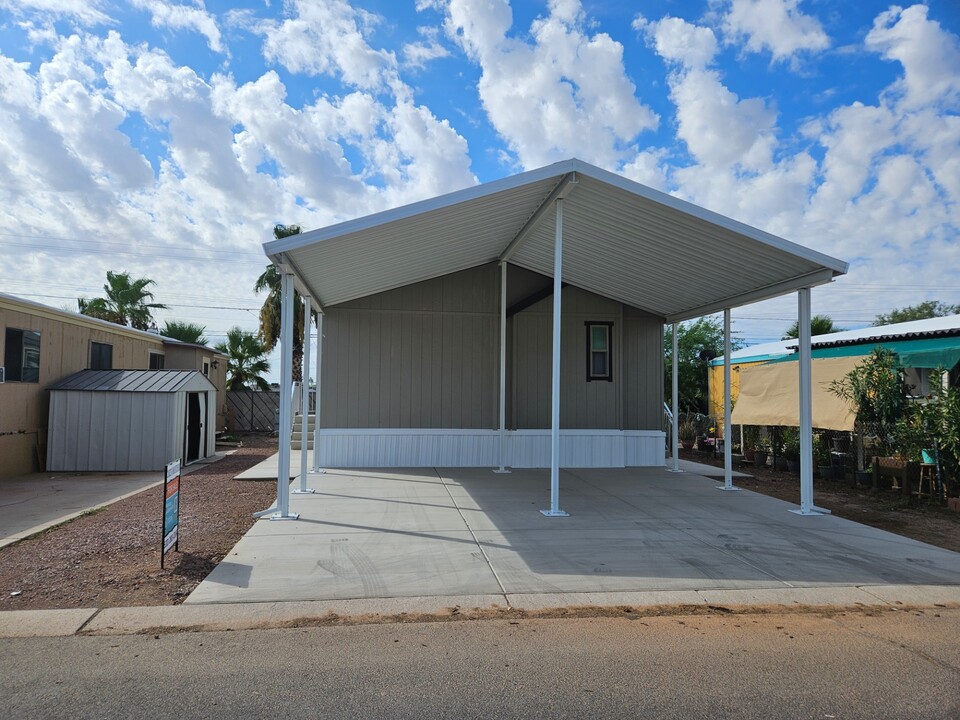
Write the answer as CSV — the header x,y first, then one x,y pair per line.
x,y
751,436
687,433
864,478
821,457
791,448
761,450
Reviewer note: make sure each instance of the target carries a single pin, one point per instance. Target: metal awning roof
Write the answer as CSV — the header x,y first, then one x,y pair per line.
x,y
622,240
139,381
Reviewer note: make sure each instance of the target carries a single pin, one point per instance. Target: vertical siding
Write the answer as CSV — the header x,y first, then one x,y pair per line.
x,y
421,356
64,349
643,358
583,404
427,356
91,431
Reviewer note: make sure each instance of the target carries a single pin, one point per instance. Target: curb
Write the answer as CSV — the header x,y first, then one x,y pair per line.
x,y
260,616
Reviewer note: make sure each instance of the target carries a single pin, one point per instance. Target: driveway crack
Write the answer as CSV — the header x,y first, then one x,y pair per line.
x,y
503,590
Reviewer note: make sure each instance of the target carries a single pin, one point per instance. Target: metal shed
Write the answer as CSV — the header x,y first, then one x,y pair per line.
x,y
130,420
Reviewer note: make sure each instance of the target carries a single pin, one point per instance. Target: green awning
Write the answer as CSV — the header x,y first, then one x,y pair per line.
x,y
917,353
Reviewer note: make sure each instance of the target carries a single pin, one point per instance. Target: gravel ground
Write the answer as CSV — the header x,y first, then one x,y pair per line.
x,y
921,520
111,557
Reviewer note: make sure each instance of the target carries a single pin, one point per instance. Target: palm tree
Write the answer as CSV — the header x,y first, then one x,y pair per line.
x,y
819,325
126,301
246,361
270,312
185,332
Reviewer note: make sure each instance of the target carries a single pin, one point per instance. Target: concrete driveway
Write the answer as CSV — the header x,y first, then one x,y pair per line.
x,y
32,503
470,532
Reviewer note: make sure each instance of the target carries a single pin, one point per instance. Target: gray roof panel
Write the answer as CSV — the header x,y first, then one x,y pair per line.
x,y
621,240
141,381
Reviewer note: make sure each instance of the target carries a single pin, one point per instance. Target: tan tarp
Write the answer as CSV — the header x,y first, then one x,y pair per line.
x,y
770,394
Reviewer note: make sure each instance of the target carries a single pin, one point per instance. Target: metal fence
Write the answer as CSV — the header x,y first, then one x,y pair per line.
x,y
254,410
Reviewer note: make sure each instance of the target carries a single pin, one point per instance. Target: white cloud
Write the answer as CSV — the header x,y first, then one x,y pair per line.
x,y
328,38
85,12
777,26
930,56
565,93
680,41
418,54
164,14
720,130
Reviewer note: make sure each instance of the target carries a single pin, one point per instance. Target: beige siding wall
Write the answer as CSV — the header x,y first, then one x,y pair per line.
x,y
643,385
421,356
427,356
64,349
193,358
583,404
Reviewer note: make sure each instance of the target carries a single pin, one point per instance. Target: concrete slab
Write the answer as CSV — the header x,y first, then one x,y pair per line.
x,y
409,533
251,616
265,470
43,623
803,596
921,595
32,503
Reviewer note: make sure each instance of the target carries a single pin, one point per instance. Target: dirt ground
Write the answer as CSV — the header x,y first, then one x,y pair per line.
x,y
111,558
921,520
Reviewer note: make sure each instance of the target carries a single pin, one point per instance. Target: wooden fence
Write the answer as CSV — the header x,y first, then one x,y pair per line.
x,y
252,410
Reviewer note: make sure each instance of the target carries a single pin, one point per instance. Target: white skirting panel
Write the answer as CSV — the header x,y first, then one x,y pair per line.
x,y
377,447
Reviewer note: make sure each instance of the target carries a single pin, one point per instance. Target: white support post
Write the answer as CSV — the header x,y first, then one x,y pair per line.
x,y
286,386
806,408
675,406
316,402
555,510
305,403
503,369
727,445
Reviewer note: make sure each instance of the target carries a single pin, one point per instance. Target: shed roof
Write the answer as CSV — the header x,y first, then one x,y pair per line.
x,y
939,327
621,239
137,381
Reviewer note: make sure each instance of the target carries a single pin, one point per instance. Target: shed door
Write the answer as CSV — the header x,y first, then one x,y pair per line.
x,y
196,411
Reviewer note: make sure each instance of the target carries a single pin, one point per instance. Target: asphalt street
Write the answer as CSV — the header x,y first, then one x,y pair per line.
x,y
881,664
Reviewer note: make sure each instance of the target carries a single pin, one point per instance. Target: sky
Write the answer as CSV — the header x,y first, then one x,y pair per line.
x,y
168,138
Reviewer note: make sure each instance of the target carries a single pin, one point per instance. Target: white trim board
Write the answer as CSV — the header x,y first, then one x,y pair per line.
x,y
417,447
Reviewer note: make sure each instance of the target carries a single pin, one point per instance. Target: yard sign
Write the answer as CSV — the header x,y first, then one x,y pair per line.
x,y
171,509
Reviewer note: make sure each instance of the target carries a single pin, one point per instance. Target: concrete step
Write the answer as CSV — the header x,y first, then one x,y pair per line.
x,y
311,420
295,445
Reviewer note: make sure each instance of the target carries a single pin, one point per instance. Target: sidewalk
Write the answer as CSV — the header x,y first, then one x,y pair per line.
x,y
32,503
261,616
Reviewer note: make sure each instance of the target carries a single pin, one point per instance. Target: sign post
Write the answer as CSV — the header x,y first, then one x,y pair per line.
x,y
171,509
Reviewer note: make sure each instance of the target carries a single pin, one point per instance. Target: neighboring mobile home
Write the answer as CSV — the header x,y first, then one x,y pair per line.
x,y
40,346
769,371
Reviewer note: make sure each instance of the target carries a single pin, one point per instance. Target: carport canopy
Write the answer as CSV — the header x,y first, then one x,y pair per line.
x,y
621,239
571,221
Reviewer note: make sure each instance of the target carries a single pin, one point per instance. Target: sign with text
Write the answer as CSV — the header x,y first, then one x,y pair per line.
x,y
171,509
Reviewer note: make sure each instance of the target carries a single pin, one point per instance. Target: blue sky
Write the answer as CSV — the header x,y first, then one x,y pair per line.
x,y
166,138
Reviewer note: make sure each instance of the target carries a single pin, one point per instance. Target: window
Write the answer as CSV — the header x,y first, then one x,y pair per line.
x,y
599,351
206,368
101,356
156,361
21,355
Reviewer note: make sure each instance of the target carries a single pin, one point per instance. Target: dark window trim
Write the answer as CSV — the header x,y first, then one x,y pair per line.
x,y
589,324
15,373
159,363
100,355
